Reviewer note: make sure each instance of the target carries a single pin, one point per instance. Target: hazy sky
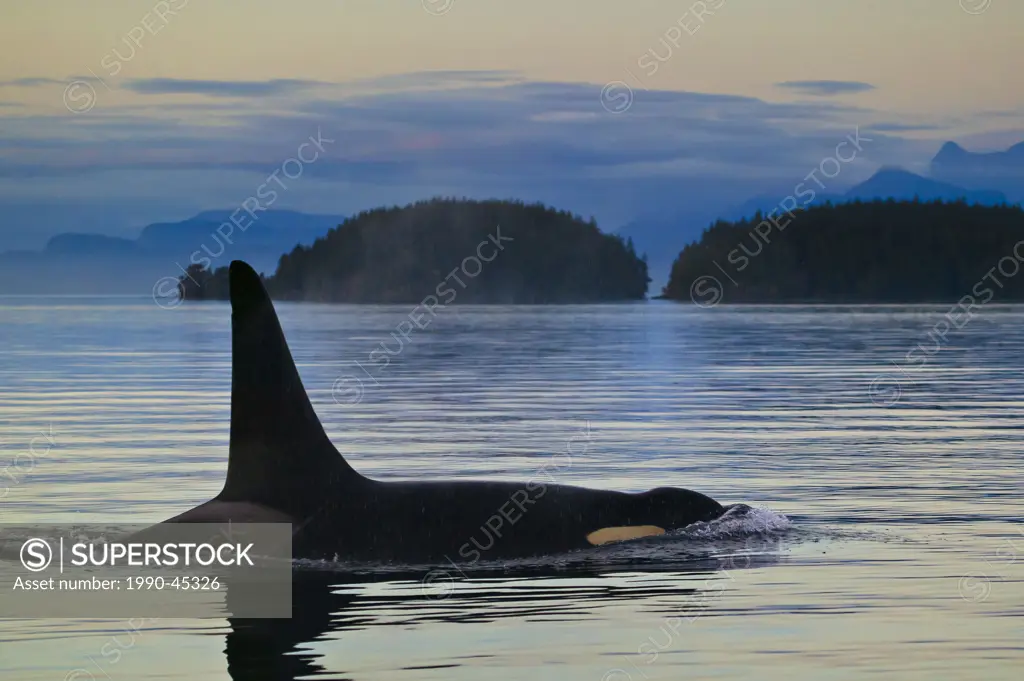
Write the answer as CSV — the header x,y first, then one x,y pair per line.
x,y
187,104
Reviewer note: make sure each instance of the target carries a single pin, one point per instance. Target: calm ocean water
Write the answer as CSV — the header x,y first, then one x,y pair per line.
x,y
889,542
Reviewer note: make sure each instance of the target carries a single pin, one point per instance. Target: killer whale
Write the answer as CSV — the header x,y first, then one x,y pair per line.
x,y
282,467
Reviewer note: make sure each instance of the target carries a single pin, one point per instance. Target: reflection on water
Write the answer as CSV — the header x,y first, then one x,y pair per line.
x,y
329,602
324,605
902,482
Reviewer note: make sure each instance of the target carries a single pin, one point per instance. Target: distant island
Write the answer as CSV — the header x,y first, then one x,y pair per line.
x,y
859,252
454,250
99,264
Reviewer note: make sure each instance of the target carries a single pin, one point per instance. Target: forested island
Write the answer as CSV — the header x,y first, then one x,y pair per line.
x,y
859,252
457,250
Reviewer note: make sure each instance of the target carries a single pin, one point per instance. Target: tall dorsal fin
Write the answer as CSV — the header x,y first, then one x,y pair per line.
x,y
279,453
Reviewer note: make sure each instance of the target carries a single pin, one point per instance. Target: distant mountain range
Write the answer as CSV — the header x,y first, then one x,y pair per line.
x,y
887,183
1000,170
100,264
1003,172
96,263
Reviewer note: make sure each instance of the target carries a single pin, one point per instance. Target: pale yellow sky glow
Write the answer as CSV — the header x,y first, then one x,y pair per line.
x,y
926,57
